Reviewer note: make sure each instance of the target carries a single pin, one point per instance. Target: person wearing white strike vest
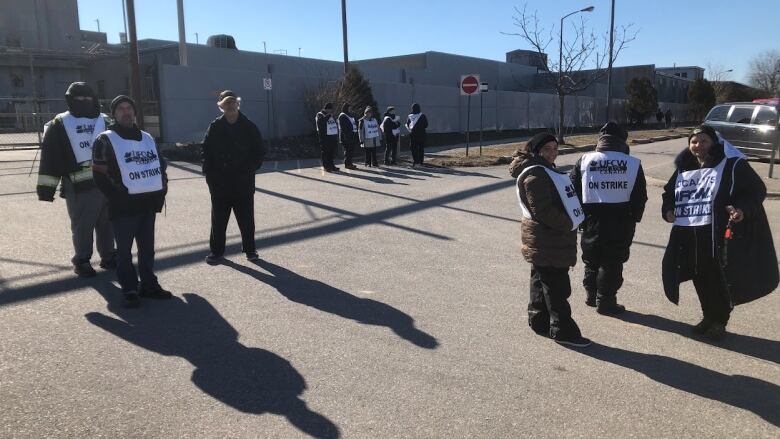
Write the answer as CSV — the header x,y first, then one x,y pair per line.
x,y
328,135
721,237
128,169
370,136
417,123
66,157
551,213
391,129
348,135
613,191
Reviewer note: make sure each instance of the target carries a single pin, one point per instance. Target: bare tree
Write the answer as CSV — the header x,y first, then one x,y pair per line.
x,y
765,72
579,51
719,77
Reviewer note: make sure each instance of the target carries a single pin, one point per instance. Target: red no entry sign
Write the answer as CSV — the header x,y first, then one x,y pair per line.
x,y
469,85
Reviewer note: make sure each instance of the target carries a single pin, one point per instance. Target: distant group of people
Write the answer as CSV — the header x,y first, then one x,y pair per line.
x,y
661,117
720,237
370,134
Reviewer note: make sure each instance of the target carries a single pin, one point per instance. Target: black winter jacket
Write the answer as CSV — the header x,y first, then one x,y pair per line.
x,y
750,267
106,172
231,154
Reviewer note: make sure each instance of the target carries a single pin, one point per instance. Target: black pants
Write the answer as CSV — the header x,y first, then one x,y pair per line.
x,y
606,245
349,152
328,149
418,150
390,152
548,308
243,207
371,157
138,228
712,290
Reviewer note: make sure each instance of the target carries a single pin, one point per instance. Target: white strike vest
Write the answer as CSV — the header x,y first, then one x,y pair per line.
x,y
82,132
571,204
695,191
413,118
139,163
608,177
395,131
352,120
371,128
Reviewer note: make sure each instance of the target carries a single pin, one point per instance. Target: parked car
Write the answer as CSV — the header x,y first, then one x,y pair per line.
x,y
750,126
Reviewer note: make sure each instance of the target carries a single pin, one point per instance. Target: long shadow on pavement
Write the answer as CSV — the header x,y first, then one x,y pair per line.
x,y
740,391
251,380
756,347
332,300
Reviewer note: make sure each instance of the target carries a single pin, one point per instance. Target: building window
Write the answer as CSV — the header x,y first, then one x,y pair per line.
x,y
685,74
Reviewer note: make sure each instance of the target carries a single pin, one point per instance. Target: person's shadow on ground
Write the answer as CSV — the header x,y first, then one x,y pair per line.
x,y
251,380
332,300
756,347
748,393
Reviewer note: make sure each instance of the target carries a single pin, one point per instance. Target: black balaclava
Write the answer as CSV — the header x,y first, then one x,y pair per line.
x,y
415,108
90,109
345,109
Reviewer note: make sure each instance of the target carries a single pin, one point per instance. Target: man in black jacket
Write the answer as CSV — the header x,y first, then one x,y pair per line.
x,y
348,135
391,129
66,156
128,169
328,135
613,191
232,152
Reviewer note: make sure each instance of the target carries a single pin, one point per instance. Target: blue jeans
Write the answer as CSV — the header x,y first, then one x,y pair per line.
x,y
138,228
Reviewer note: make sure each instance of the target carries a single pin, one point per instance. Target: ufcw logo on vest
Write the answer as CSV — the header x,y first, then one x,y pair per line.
x,y
570,193
609,166
140,157
85,129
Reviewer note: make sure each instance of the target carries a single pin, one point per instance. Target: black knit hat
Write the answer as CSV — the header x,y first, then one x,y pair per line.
x,y
118,100
613,129
538,141
80,89
705,129
328,106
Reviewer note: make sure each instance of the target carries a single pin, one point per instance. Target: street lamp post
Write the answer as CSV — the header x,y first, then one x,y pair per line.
x,y
609,68
560,61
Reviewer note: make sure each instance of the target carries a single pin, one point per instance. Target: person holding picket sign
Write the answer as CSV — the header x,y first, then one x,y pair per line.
x,y
721,238
551,213
370,140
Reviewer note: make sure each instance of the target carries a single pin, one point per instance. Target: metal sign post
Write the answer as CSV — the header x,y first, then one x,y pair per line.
x,y
469,84
483,88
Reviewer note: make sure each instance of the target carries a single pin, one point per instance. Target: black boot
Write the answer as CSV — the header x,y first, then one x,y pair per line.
x,y
609,307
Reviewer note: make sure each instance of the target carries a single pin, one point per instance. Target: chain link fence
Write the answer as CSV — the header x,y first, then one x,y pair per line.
x,y
22,120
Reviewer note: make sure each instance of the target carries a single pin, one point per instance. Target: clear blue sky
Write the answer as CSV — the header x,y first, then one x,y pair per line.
x,y
685,32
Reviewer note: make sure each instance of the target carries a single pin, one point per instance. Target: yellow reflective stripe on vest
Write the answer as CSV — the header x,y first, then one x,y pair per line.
x,y
48,180
84,174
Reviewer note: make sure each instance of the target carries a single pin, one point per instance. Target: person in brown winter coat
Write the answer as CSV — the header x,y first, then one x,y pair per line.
x,y
551,214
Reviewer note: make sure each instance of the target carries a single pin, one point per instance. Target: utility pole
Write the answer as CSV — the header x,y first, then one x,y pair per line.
x,y
196,38
264,48
135,71
344,33
97,20
182,34
609,68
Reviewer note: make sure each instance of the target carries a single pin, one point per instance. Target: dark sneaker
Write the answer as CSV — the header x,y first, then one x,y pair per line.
x,y
545,332
108,264
716,331
612,309
350,166
590,301
213,259
252,256
701,327
577,341
131,300
334,169
84,269
155,293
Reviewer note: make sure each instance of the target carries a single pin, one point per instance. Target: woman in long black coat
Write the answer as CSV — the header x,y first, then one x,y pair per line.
x,y
721,238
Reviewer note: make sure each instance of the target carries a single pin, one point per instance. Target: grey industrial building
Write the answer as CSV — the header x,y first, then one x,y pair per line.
x,y
43,36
